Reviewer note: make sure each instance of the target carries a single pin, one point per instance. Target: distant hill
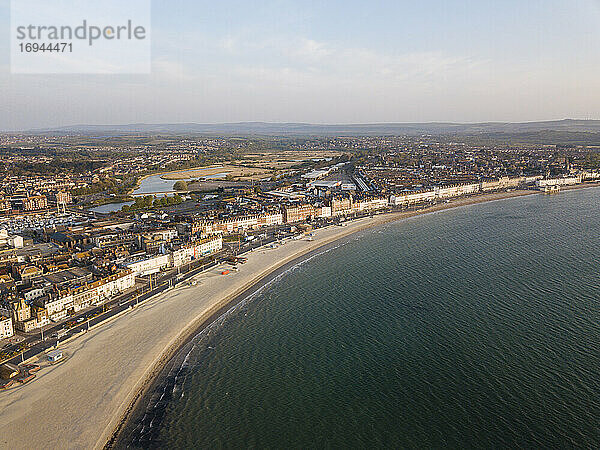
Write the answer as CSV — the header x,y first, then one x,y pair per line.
x,y
305,129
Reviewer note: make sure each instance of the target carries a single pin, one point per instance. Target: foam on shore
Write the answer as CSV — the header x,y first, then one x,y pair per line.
x,y
80,403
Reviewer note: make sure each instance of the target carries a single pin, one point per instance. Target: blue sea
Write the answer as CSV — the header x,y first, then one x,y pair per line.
x,y
476,327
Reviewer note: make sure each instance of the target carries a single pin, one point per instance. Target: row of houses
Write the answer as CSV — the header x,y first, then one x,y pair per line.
x,y
301,213
293,213
98,291
339,206
556,182
177,258
571,180
234,224
54,304
85,268
441,193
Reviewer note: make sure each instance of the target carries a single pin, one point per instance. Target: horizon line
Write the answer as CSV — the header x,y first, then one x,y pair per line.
x,y
317,124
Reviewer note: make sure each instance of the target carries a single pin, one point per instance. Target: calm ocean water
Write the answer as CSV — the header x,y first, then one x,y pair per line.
x,y
474,327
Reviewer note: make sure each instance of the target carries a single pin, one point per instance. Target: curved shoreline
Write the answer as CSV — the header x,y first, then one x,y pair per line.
x,y
206,318
201,323
160,373
86,402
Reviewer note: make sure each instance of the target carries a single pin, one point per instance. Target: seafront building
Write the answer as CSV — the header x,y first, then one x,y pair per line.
x,y
203,227
562,181
43,302
54,266
299,213
194,250
178,257
148,265
6,327
441,193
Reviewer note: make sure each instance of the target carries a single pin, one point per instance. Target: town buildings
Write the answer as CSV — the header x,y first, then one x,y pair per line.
x,y
6,327
28,202
561,181
408,198
204,227
299,213
57,259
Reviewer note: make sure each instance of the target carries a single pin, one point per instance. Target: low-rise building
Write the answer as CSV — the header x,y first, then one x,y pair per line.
x,y
111,239
6,327
147,266
35,202
69,240
27,272
196,250
299,213
563,181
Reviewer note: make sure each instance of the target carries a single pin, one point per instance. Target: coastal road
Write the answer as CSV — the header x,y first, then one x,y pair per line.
x,y
164,281
117,305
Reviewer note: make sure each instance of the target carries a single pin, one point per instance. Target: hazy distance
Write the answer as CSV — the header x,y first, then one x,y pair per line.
x,y
335,62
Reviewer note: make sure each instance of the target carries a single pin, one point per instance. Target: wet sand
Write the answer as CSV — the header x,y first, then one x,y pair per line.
x,y
80,403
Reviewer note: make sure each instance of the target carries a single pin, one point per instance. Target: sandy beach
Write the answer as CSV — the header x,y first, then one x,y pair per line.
x,y
79,403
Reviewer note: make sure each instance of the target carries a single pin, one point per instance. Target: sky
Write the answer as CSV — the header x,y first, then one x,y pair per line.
x,y
333,61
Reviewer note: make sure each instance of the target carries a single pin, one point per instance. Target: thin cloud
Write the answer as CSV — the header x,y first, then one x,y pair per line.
x,y
168,70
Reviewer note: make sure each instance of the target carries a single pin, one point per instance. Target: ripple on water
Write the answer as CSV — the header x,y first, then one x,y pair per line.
x,y
476,327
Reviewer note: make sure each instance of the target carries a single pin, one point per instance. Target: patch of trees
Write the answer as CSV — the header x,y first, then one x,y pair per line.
x,y
109,185
151,201
592,160
180,185
56,166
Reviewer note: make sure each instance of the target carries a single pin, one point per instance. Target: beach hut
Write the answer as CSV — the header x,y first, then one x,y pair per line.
x,y
55,355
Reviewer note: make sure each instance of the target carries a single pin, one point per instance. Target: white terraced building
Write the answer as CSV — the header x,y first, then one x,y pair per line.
x,y
411,198
149,265
101,290
183,255
208,227
196,250
6,327
566,181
